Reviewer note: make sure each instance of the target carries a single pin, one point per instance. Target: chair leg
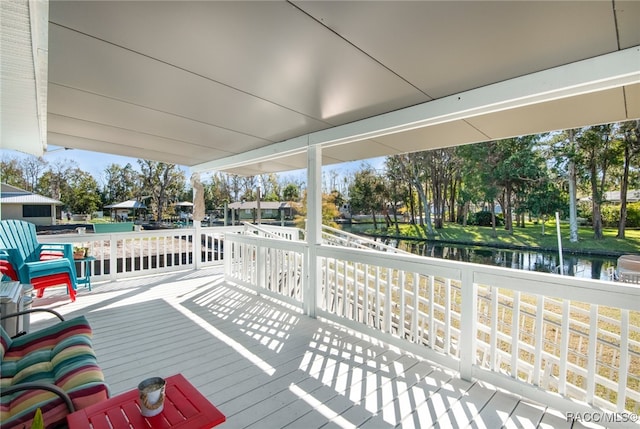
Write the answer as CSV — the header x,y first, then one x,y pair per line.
x,y
71,291
40,283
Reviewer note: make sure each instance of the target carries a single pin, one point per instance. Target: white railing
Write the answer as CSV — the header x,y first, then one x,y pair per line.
x,y
555,339
128,254
271,266
336,237
269,231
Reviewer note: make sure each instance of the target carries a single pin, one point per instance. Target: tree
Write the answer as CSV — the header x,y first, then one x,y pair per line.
x,y
11,173
329,211
481,186
564,151
32,168
544,200
442,170
81,195
367,192
413,170
291,192
217,192
398,192
162,182
270,187
596,155
516,167
121,183
631,148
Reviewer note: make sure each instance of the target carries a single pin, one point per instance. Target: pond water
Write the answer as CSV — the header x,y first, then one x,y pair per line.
x,y
587,266
594,267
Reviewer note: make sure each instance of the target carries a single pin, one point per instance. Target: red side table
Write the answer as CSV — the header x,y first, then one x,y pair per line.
x,y
184,407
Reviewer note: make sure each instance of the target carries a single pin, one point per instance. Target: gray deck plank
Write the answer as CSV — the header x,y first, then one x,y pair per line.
x,y
496,412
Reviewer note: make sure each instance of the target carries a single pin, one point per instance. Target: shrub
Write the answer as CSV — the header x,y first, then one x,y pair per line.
x,y
611,215
483,218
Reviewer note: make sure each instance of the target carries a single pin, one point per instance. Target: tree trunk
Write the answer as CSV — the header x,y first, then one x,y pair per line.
x,y
507,209
493,218
427,210
452,200
465,213
573,211
595,200
412,206
623,192
395,220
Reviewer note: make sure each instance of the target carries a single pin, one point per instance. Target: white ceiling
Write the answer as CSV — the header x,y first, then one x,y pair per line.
x,y
228,85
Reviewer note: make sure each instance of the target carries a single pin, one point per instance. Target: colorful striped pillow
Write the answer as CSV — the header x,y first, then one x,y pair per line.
x,y
62,355
5,342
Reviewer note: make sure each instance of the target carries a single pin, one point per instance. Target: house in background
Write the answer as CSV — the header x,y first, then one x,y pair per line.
x,y
121,211
16,203
269,211
633,196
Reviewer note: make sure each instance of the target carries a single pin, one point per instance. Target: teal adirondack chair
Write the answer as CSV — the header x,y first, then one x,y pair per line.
x,y
38,263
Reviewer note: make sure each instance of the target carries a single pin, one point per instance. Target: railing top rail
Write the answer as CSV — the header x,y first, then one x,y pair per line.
x,y
265,231
360,241
148,232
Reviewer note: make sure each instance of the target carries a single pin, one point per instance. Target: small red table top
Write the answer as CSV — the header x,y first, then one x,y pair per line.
x,y
184,407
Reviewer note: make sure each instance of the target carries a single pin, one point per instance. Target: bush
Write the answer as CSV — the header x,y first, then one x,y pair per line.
x,y
633,215
483,218
611,215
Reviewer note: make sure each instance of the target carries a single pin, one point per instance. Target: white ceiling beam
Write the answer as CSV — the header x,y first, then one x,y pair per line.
x,y
591,75
23,75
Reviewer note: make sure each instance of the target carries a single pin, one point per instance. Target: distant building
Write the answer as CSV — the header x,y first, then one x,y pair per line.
x,y
269,210
633,196
121,211
16,203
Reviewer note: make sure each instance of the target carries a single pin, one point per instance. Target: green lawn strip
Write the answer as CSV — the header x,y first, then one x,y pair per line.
x,y
530,237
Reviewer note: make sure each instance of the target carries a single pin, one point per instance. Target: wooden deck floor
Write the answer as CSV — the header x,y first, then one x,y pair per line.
x,y
265,365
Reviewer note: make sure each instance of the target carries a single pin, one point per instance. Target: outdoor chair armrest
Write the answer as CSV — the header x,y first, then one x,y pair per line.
x,y
32,310
40,386
13,256
66,249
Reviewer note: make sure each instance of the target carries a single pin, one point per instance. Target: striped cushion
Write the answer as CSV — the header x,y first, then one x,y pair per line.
x,y
62,355
5,342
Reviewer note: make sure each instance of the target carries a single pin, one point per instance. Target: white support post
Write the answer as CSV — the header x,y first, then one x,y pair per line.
x,y
314,229
468,320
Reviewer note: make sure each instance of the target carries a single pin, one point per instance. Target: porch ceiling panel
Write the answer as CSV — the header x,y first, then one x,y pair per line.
x,y
146,123
594,108
434,137
101,146
354,151
450,47
285,163
632,95
113,135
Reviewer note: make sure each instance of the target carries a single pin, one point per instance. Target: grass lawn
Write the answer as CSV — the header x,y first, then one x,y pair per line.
x,y
531,237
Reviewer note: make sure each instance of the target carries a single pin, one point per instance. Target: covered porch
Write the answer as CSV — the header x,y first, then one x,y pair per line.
x,y
393,339
304,84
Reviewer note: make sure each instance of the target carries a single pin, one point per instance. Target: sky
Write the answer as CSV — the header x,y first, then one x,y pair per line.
x,y
95,163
